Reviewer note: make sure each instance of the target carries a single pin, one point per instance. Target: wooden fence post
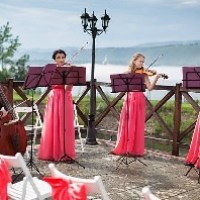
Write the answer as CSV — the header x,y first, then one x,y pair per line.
x,y
10,91
177,120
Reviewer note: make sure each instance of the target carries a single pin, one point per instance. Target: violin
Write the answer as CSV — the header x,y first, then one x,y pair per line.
x,y
149,72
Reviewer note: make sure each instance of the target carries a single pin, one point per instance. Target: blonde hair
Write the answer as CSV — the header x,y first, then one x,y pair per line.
x,y
132,66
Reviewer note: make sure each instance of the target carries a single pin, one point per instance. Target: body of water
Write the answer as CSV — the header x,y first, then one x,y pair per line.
x,y
103,72
115,60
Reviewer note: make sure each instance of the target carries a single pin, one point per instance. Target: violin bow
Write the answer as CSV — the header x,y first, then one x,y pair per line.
x,y
77,52
19,104
161,55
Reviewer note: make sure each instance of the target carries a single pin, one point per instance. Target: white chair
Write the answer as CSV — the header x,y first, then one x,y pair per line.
x,y
30,187
37,125
78,127
93,186
148,194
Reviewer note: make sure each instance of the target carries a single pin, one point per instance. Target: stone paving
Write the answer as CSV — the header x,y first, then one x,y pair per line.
x,y
164,174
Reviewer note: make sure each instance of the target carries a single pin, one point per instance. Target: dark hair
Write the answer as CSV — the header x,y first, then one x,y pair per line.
x,y
58,51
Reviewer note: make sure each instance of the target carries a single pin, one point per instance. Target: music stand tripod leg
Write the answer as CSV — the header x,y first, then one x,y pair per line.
x,y
189,170
191,166
124,158
199,176
31,163
64,145
136,159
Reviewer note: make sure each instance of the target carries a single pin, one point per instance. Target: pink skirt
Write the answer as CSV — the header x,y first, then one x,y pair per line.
x,y
130,138
58,134
194,151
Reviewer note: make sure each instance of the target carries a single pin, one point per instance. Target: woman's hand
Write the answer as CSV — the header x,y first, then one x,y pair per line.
x,y
67,64
162,75
158,76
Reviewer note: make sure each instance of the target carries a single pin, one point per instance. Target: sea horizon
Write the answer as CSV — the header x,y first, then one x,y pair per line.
x,y
169,59
103,72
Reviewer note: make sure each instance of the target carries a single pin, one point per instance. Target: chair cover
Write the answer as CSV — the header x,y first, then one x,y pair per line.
x,y
63,189
5,178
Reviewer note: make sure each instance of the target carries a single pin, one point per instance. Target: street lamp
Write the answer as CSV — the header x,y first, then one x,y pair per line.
x,y
89,26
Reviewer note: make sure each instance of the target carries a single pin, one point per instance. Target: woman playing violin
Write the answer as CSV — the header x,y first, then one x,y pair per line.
x,y
130,137
136,66
58,120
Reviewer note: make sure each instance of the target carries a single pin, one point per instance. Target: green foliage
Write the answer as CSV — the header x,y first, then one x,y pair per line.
x,y
20,72
100,104
165,146
29,93
153,128
166,112
11,68
84,104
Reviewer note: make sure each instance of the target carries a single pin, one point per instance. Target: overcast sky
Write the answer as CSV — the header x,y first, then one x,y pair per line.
x,y
57,23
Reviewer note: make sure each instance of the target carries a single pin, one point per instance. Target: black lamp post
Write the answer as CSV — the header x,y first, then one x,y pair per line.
x,y
94,31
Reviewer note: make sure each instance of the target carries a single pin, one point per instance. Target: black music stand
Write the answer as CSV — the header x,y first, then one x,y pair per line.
x,y
127,83
191,80
68,76
37,77
191,77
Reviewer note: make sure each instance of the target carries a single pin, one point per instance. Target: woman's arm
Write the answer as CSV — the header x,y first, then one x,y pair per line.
x,y
150,86
69,87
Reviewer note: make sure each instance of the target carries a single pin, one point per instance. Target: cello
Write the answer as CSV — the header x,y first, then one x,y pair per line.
x,y
12,135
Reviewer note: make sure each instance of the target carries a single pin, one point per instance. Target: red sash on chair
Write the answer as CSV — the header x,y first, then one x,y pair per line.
x,y
63,189
4,180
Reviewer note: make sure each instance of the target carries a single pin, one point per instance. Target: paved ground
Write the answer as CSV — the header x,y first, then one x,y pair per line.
x,y
164,174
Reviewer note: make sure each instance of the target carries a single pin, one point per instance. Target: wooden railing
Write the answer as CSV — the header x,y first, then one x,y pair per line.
x,y
177,92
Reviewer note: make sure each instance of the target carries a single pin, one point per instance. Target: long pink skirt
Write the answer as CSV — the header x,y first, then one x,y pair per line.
x,y
57,139
130,138
194,151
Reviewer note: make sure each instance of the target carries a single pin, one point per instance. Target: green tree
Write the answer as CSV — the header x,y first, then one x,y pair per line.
x,y
10,67
19,70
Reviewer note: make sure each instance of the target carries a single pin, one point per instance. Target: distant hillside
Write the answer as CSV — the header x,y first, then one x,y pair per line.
x,y
174,53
